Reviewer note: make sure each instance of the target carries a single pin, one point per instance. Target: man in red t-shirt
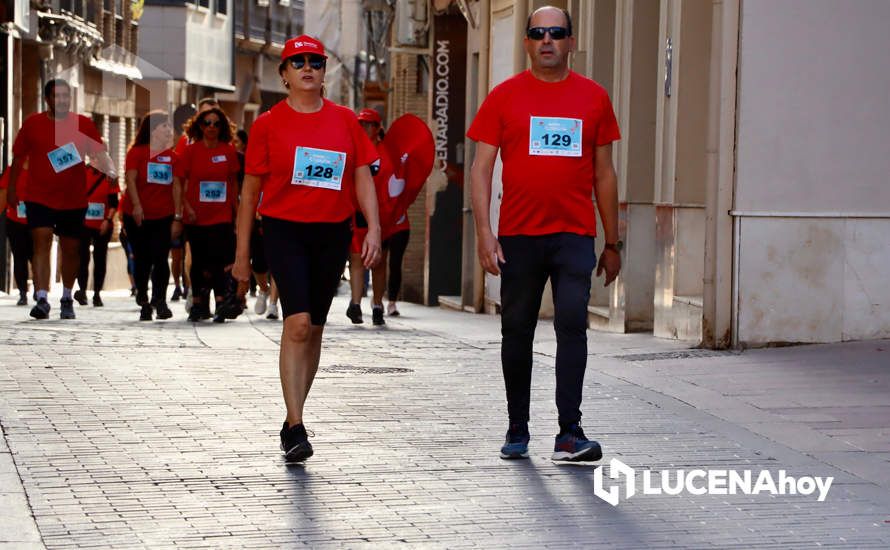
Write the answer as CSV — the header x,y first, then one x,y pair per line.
x,y
554,129
56,142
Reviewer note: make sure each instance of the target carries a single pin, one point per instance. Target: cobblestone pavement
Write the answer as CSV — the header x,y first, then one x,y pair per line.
x,y
164,434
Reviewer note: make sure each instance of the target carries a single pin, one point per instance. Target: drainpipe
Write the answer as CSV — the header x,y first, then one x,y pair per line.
x,y
719,304
481,92
520,15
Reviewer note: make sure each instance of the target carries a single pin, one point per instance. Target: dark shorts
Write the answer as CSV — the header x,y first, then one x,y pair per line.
x,y
306,261
65,223
177,243
258,250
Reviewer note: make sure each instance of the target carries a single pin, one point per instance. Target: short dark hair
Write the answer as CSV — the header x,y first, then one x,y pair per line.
x,y
242,135
528,22
50,86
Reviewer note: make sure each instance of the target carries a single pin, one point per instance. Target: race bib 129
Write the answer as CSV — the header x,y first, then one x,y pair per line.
x,y
64,157
161,174
318,168
555,137
213,191
95,211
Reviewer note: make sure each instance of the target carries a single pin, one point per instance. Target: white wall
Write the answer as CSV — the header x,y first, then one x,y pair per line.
x,y
814,137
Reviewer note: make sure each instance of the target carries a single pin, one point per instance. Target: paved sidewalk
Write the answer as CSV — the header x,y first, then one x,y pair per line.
x,y
120,434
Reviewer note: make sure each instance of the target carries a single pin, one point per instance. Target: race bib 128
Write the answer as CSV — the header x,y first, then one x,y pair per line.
x,y
318,168
555,137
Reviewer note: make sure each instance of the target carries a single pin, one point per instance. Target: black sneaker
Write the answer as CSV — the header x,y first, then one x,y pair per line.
x,y
177,294
573,446
141,299
23,299
516,443
145,314
354,312
194,315
40,309
162,310
81,297
97,300
295,443
66,310
377,315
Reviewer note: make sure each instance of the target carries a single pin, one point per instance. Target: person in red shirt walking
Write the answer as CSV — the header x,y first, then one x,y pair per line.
x,y
98,227
209,169
17,233
554,129
152,210
371,123
55,143
313,157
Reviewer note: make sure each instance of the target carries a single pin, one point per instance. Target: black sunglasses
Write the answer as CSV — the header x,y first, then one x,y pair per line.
x,y
214,123
556,33
316,62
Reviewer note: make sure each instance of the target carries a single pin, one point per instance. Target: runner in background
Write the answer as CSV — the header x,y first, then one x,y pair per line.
x,y
314,157
209,169
177,246
381,170
98,225
18,234
55,143
152,211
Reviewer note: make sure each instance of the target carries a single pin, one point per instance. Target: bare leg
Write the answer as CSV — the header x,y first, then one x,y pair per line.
x,y
378,280
356,277
70,249
176,266
43,242
298,362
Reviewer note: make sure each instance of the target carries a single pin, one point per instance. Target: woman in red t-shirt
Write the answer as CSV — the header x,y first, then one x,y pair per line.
x,y
17,232
98,225
152,210
209,169
381,171
312,158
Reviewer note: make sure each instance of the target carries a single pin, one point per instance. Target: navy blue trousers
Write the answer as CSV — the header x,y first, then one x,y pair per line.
x,y
567,259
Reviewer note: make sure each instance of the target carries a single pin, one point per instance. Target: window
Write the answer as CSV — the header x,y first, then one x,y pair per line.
x,y
222,7
204,4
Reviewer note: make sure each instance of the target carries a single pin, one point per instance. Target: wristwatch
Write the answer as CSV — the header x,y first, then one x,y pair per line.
x,y
617,246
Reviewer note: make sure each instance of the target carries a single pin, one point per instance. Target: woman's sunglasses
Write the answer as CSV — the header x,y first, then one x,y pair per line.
x,y
556,33
316,62
211,123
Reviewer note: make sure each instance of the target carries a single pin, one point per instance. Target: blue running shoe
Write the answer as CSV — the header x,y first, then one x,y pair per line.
x,y
516,445
573,446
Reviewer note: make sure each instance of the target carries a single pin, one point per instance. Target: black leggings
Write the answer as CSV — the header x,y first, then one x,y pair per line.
x,y
213,249
397,245
19,236
100,257
151,246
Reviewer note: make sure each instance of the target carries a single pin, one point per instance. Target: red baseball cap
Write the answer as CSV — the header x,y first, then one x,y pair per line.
x,y
302,44
369,115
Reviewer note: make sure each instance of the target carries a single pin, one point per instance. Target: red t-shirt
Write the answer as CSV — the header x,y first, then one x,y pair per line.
x,y
13,210
211,188
310,160
97,202
56,149
155,192
549,176
181,144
